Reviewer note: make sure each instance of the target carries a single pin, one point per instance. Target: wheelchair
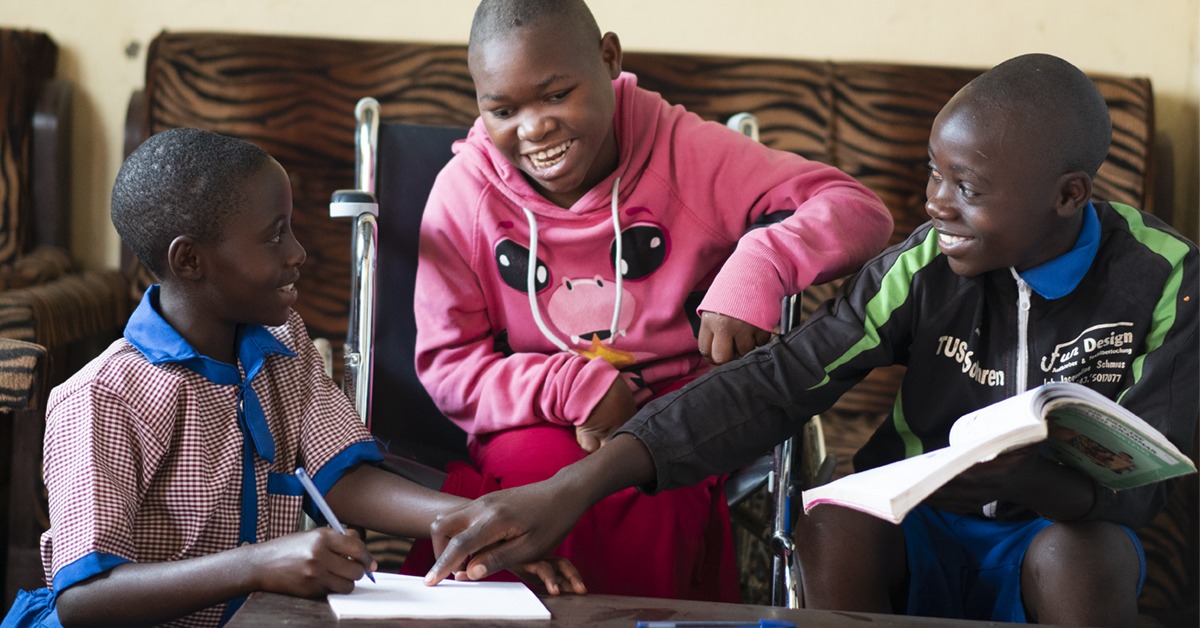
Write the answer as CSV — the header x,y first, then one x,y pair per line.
x,y
418,441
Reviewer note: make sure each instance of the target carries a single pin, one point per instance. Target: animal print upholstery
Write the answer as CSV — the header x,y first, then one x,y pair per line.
x,y
44,299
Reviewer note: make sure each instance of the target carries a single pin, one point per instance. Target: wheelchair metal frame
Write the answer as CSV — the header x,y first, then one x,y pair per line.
x,y
361,205
784,480
786,587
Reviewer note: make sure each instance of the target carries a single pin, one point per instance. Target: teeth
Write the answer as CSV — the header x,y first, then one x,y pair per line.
x,y
288,288
950,240
549,157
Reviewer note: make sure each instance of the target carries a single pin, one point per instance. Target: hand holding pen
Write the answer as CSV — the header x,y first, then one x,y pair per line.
x,y
322,506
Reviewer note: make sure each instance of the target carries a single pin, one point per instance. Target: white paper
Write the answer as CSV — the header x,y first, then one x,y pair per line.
x,y
396,596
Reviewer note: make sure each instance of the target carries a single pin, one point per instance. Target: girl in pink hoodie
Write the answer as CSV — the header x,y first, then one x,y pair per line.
x,y
585,251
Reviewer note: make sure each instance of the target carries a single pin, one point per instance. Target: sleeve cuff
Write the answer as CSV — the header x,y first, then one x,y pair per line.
x,y
637,429
750,291
332,471
85,567
593,383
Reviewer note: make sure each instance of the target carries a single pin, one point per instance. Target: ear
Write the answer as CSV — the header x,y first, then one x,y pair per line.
x,y
610,52
184,259
1074,192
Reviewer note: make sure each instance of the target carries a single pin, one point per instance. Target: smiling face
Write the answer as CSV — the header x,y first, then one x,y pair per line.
x,y
545,95
994,196
252,270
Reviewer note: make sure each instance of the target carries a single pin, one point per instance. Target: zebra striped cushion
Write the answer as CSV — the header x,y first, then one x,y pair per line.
x,y
22,374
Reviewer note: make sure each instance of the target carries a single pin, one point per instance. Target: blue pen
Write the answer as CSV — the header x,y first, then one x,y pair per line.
x,y
319,501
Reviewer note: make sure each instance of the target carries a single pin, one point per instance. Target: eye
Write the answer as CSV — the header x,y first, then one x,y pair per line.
x,y
501,112
966,191
933,172
558,96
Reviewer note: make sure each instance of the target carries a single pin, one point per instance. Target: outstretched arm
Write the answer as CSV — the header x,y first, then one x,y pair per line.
x,y
516,525
306,564
383,501
376,499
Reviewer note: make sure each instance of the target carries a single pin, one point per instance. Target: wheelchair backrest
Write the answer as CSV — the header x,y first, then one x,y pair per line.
x,y
403,416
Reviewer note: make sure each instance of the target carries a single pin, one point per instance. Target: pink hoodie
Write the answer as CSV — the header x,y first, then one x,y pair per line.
x,y
494,357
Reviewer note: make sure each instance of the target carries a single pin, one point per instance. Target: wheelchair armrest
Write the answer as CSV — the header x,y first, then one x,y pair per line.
x,y
825,470
745,481
810,472
417,472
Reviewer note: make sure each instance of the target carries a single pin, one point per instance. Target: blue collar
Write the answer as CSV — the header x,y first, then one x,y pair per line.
x,y
1058,277
154,337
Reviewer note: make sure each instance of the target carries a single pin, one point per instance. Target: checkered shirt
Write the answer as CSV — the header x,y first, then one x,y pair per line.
x,y
144,462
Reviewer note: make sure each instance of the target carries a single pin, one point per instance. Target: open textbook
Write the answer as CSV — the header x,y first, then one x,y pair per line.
x,y
1080,427
394,596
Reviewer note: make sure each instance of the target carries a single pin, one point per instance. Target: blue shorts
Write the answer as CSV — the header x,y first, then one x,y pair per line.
x,y
967,567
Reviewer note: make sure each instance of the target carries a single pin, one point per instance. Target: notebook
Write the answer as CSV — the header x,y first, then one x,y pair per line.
x,y
393,596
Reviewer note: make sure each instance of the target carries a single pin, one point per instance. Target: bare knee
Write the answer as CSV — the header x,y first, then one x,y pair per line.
x,y
849,560
1081,573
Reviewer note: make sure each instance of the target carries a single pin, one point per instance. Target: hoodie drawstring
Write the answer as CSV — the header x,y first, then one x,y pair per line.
x,y
531,275
619,271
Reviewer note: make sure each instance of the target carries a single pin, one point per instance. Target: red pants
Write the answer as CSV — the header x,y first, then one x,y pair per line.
x,y
677,544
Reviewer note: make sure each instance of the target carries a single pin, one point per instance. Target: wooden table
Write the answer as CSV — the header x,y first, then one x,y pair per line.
x,y
269,609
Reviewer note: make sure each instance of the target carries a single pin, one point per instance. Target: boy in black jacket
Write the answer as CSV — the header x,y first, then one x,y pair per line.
x,y
1020,278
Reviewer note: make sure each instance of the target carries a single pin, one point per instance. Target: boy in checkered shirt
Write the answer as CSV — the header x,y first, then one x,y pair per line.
x,y
169,458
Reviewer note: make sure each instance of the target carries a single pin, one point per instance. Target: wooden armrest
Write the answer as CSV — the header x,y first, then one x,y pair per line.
x,y
51,164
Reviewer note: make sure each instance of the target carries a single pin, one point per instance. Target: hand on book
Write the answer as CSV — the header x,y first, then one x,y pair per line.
x,y
999,479
1022,478
1084,442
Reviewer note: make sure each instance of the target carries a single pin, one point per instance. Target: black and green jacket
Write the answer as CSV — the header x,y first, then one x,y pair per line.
x,y
1127,330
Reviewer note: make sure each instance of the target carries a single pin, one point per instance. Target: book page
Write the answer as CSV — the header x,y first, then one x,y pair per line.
x,y
396,596
1013,421
890,491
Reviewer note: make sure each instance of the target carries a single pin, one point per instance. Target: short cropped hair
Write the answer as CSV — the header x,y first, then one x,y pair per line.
x,y
180,182
494,18
1055,100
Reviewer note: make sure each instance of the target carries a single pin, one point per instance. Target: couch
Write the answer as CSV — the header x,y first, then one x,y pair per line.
x,y
53,315
295,96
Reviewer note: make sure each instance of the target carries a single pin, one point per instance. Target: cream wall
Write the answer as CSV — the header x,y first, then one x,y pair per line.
x,y
103,52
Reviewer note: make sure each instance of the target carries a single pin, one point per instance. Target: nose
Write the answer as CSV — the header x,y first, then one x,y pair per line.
x,y
936,204
534,126
297,255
